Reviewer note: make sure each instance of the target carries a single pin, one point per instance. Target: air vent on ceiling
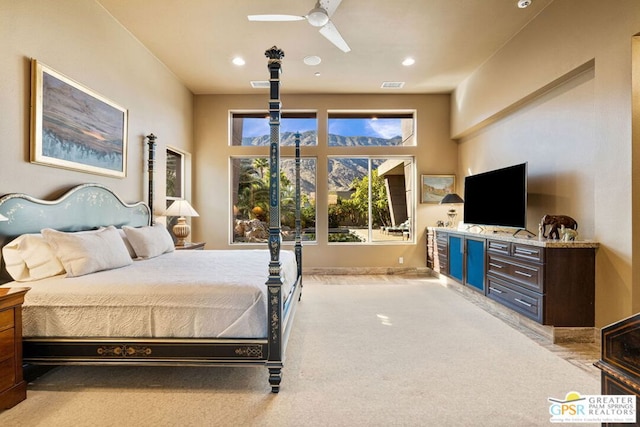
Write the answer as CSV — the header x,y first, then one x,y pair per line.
x,y
259,84
392,85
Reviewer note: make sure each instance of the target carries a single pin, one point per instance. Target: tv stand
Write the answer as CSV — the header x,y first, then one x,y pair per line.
x,y
549,281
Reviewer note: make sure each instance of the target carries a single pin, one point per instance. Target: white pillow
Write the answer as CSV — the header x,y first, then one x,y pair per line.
x,y
149,241
29,257
127,243
82,253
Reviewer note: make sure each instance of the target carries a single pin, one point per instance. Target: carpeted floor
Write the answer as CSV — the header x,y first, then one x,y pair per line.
x,y
364,351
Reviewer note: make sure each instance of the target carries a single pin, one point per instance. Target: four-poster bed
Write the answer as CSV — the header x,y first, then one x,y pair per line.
x,y
113,301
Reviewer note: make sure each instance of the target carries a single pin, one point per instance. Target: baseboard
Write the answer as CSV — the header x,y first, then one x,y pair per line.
x,y
362,270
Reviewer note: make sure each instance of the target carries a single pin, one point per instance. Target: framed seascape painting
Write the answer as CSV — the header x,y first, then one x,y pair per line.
x,y
434,187
75,128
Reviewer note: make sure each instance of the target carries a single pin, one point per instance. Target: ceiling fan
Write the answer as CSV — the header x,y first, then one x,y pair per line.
x,y
318,17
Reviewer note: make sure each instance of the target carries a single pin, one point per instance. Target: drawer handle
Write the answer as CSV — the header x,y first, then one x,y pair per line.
x,y
523,302
495,265
522,274
497,291
526,251
498,245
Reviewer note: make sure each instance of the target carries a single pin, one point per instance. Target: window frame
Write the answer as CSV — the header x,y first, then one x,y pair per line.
x,y
257,114
180,171
375,114
233,207
411,210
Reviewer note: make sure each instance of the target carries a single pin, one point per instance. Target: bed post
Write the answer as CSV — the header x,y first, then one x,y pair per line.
x,y
152,158
298,246
274,283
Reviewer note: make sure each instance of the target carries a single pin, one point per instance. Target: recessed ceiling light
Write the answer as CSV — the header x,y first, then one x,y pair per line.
x,y
408,61
523,3
317,74
312,60
238,61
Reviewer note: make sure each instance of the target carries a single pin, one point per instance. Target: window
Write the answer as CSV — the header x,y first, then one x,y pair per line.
x,y
175,175
370,199
174,181
250,184
252,129
370,192
250,175
357,129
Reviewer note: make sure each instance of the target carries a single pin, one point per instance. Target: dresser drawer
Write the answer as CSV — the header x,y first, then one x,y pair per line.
x,y
527,303
499,247
6,319
529,253
442,238
7,343
525,274
7,373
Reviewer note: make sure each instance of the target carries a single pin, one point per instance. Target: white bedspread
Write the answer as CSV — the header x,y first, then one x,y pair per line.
x,y
190,294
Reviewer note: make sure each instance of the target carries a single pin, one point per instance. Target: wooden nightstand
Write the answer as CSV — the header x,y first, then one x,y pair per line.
x,y
13,388
191,246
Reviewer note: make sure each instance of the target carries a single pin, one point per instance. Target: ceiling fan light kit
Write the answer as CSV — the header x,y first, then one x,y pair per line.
x,y
317,17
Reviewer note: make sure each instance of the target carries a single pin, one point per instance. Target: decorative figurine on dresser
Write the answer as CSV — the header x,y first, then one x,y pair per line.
x,y
555,222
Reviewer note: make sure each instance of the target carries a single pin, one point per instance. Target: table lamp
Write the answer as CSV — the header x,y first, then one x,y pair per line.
x,y
451,199
181,209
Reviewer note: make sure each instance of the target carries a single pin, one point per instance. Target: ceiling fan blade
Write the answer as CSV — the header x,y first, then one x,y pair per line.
x,y
330,6
275,18
333,35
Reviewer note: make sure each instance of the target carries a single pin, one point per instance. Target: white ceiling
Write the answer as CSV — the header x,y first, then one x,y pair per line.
x,y
449,39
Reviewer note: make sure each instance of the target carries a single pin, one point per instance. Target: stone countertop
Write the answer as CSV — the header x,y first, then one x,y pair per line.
x,y
526,238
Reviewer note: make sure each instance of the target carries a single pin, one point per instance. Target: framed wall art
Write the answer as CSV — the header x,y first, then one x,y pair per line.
x,y
434,187
73,127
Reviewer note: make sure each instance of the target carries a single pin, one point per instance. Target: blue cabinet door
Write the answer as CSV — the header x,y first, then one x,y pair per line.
x,y
456,259
475,263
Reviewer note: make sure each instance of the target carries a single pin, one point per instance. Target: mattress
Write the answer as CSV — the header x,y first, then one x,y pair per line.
x,y
181,294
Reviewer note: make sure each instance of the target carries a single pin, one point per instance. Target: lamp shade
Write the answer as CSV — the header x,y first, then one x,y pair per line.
x,y
451,198
181,208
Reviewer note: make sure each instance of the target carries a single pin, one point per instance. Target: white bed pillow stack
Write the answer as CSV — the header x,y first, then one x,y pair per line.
x,y
29,257
37,256
150,241
84,253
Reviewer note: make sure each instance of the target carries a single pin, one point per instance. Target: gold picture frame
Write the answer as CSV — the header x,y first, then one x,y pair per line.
x,y
434,187
73,127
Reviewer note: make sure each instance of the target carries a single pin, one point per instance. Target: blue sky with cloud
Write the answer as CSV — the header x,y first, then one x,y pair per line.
x,y
381,128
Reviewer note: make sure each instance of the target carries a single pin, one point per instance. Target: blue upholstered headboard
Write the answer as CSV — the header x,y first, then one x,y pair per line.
x,y
84,207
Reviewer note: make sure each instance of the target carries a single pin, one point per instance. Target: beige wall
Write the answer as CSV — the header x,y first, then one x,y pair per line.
x,y
81,40
558,95
435,153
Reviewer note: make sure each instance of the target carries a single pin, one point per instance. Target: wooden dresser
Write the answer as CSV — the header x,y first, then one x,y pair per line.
x,y
620,360
13,388
548,281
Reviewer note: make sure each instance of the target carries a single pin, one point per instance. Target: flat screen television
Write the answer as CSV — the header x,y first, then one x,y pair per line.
x,y
497,197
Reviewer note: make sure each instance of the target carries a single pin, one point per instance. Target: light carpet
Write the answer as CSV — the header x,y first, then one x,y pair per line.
x,y
364,351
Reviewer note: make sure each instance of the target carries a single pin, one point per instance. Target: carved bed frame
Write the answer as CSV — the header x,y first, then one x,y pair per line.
x,y
90,206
